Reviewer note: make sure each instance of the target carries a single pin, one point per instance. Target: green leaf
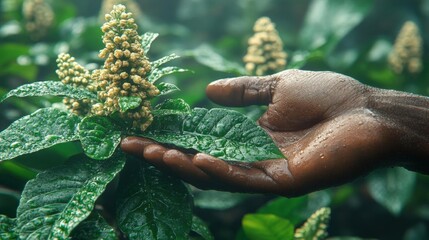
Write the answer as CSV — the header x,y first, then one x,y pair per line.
x,y
328,21
94,227
267,226
222,133
50,88
99,137
207,56
163,60
152,205
200,228
157,73
166,88
7,226
172,106
392,188
57,200
288,208
127,103
147,39
42,129
217,200
315,226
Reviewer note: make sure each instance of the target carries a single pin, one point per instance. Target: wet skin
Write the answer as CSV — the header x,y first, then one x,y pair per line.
x,y
331,128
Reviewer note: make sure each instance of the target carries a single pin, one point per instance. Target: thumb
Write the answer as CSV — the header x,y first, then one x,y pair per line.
x,y
242,91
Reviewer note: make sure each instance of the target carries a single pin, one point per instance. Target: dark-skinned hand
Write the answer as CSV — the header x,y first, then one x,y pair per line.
x,y
331,128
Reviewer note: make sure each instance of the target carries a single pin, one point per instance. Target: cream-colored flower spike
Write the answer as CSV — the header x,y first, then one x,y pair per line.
x,y
265,52
408,49
107,5
39,17
315,227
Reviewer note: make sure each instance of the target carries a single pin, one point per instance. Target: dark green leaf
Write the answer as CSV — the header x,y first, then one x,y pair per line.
x,y
392,188
289,208
152,205
172,106
42,129
157,73
147,39
7,226
163,60
57,200
166,88
94,227
222,133
127,103
207,56
328,21
267,227
200,228
99,137
50,88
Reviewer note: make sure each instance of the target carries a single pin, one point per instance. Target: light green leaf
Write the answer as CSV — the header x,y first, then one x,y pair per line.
x,y
163,60
42,129
328,21
127,103
147,39
222,133
200,228
99,137
392,188
152,205
217,200
57,200
288,208
7,226
172,106
157,73
267,227
207,56
166,88
94,227
50,88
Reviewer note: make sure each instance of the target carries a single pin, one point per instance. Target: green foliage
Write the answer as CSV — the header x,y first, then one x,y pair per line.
x,y
166,88
267,227
200,228
94,227
157,73
57,200
147,39
222,133
172,106
6,227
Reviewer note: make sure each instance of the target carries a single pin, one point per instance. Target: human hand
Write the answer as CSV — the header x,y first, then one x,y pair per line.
x,y
321,121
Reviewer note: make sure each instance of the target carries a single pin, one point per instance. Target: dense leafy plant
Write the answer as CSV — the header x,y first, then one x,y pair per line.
x,y
99,108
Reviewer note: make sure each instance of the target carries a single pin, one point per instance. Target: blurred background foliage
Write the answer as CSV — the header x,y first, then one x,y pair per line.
x,y
351,37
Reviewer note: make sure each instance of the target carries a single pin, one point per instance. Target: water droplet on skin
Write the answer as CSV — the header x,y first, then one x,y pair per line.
x,y
15,144
360,123
322,156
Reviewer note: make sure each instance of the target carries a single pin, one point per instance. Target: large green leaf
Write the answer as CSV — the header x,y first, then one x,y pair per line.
x,y
147,39
7,226
152,205
94,227
267,227
328,21
291,209
50,88
163,60
222,133
99,137
57,200
158,73
172,106
42,129
199,227
392,188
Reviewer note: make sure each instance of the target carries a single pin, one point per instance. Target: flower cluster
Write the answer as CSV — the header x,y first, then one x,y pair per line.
x,y
107,5
39,17
407,51
265,52
124,73
70,72
315,226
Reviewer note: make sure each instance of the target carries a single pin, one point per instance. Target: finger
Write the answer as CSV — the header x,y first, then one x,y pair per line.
x,y
181,165
242,91
154,154
235,178
135,145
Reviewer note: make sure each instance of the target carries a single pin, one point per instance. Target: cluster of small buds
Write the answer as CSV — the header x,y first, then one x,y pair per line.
x,y
407,51
70,72
125,68
316,226
107,5
265,52
39,17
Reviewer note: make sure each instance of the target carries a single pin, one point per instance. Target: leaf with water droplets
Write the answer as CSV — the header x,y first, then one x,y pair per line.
x,y
166,88
57,200
157,73
172,106
94,227
127,103
7,226
163,60
50,88
147,39
222,133
42,129
99,137
201,229
152,205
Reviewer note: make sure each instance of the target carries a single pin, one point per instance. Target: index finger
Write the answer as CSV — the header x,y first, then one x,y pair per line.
x,y
242,91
